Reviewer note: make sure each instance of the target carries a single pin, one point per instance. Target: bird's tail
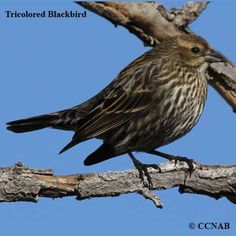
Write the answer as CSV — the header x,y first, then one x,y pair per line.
x,y
103,153
32,123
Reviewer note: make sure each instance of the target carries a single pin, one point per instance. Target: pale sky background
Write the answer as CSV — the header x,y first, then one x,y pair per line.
x,y
52,64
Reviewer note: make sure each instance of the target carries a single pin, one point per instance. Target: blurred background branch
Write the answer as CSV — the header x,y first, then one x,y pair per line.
x,y
152,23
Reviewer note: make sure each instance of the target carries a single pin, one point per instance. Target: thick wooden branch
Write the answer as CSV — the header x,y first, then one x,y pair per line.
x,y
152,23
21,183
223,78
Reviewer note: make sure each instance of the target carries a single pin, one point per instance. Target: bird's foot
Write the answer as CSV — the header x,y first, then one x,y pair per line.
x,y
189,162
143,170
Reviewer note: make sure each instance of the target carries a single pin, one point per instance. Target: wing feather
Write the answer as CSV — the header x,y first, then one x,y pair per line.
x,y
127,97
102,119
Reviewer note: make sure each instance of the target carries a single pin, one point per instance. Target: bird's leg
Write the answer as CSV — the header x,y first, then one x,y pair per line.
x,y
175,158
143,169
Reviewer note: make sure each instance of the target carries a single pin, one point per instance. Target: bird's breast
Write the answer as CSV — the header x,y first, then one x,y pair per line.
x,y
176,107
182,107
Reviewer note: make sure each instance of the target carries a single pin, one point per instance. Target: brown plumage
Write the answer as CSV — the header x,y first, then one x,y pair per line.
x,y
155,100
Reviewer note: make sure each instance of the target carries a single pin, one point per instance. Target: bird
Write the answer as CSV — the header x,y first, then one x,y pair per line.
x,y
155,100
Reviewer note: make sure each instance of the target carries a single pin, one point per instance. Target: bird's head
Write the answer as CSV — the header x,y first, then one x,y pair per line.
x,y
195,51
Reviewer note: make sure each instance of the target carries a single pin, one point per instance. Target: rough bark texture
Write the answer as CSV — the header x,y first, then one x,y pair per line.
x,y
152,23
21,183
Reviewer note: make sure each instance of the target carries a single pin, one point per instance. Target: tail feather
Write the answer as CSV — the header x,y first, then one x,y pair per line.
x,y
30,124
69,145
104,152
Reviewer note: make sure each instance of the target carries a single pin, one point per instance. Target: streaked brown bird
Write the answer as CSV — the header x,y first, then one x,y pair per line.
x,y
155,100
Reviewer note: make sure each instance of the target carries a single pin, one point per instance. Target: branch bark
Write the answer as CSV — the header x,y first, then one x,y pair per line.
x,y
152,22
21,183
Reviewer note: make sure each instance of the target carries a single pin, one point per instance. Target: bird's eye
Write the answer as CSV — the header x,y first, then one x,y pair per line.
x,y
195,50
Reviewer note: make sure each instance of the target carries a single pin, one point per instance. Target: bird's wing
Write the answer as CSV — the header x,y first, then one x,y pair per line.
x,y
113,112
128,97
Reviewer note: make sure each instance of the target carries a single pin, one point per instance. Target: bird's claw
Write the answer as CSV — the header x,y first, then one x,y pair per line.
x,y
143,171
189,162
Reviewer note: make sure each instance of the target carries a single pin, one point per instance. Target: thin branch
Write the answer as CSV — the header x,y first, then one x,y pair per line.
x,y
152,22
21,183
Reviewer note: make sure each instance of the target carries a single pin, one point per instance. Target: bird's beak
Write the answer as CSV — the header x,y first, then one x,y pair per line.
x,y
215,56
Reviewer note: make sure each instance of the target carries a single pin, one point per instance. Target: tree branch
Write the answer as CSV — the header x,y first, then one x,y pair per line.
x,y
21,183
152,22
